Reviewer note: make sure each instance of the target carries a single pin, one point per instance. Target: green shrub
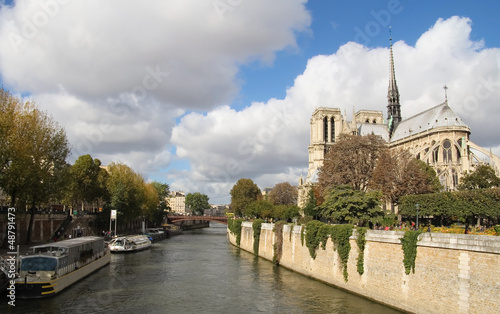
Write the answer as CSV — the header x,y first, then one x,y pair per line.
x,y
234,225
257,225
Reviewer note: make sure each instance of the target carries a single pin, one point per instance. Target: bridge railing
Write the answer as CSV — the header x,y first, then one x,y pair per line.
x,y
222,219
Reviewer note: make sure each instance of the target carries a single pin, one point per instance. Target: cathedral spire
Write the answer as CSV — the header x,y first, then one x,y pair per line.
x,y
393,106
445,94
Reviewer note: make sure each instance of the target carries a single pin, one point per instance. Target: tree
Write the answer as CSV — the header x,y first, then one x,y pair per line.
x,y
10,110
283,194
432,178
162,189
465,205
150,209
311,209
197,202
343,204
398,174
243,193
33,154
259,209
286,212
126,189
351,161
482,178
88,180
38,148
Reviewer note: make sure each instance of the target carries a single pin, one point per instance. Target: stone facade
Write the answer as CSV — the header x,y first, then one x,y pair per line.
x,y
454,273
177,202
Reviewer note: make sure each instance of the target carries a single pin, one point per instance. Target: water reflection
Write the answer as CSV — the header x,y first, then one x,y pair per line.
x,y
198,272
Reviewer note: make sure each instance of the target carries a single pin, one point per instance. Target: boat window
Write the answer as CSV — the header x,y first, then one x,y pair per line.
x,y
38,263
118,242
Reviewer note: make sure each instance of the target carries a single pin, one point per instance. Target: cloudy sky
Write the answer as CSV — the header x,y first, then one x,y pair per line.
x,y
201,93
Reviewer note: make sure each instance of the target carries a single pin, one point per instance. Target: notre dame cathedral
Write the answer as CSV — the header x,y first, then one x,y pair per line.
x,y
437,136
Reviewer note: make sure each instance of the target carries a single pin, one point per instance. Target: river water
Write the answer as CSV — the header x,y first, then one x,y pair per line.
x,y
197,272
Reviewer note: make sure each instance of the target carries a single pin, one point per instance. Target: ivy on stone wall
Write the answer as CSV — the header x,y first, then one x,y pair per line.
x,y
340,237
234,225
312,238
318,233
302,235
409,245
361,242
257,224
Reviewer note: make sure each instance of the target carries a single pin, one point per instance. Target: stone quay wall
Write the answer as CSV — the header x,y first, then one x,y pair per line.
x,y
454,273
45,224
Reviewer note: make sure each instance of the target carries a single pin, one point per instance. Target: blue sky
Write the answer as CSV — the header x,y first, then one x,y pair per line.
x,y
334,23
198,94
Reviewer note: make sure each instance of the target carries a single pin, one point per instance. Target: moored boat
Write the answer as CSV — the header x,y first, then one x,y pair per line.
x,y
52,267
155,234
130,243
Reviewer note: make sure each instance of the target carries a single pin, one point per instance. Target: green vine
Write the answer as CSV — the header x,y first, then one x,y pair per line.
x,y
312,238
302,235
361,242
257,224
325,232
340,237
318,233
234,225
291,232
409,245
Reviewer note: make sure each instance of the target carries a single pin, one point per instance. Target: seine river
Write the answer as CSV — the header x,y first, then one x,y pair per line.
x,y
197,272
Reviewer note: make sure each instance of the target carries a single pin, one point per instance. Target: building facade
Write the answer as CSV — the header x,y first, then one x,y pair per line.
x,y
437,136
177,202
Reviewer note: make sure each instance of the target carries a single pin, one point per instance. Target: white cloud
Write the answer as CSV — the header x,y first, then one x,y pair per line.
x,y
118,75
225,145
182,52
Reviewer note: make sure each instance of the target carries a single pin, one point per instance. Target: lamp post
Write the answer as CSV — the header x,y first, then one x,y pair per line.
x,y
417,206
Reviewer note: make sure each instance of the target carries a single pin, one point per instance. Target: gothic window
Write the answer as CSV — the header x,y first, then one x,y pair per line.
x,y
333,130
454,175
418,156
459,154
374,121
435,154
367,121
447,151
325,129
443,180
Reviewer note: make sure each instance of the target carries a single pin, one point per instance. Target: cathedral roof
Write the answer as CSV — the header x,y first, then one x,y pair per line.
x,y
372,128
438,116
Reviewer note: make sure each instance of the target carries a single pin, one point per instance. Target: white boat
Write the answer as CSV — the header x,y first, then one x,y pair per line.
x,y
130,243
53,267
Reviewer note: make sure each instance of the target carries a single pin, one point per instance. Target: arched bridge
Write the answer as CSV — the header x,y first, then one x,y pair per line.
x,y
220,219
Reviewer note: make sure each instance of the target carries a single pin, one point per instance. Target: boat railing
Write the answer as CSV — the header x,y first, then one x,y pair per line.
x,y
4,266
